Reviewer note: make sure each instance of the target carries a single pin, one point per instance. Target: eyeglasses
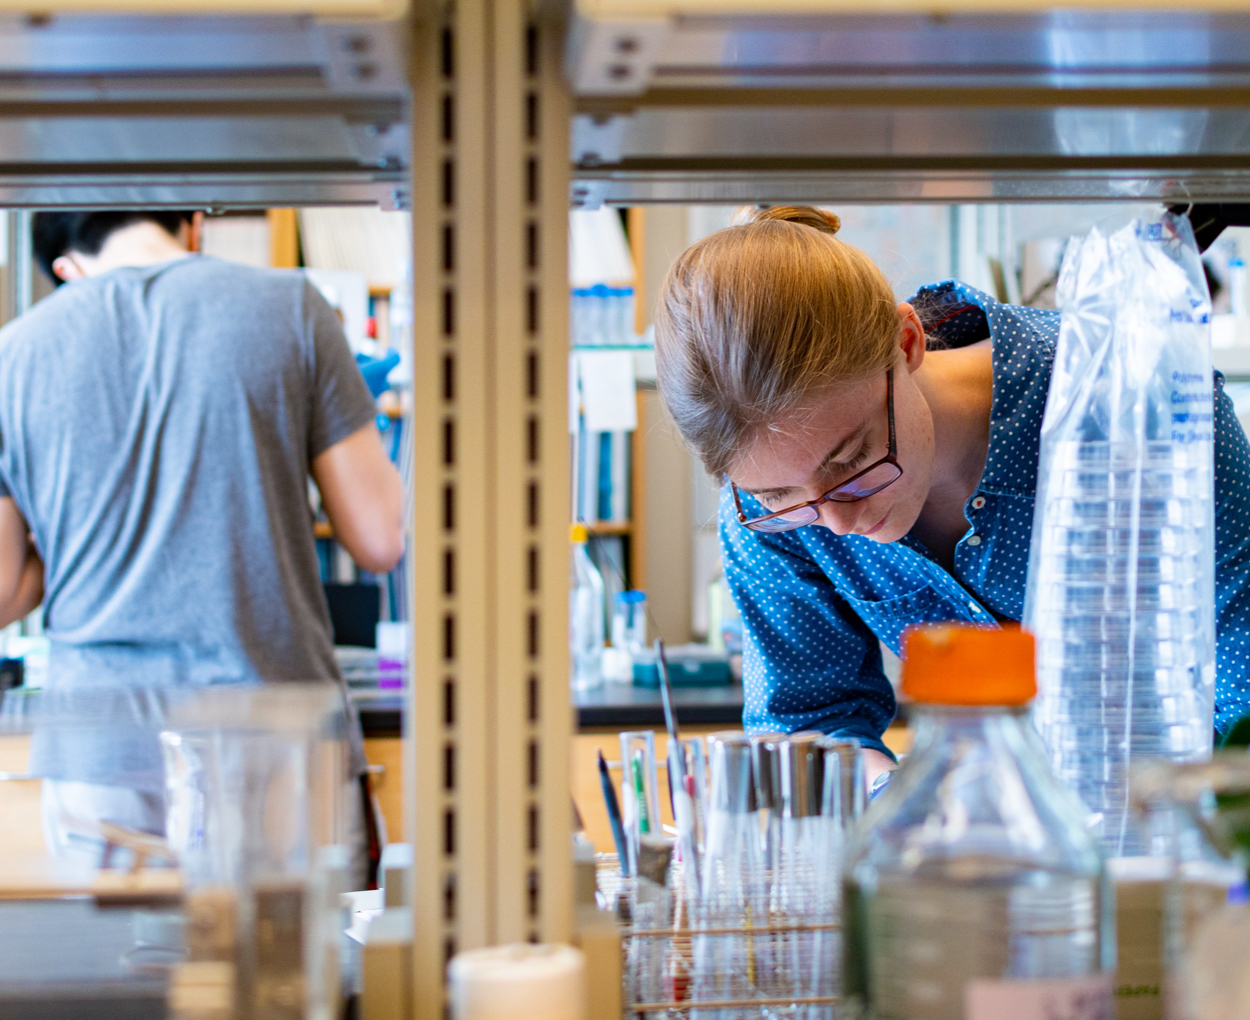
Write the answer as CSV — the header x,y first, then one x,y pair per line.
x,y
875,477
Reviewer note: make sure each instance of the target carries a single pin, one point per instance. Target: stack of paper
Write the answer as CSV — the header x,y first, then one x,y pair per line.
x,y
362,239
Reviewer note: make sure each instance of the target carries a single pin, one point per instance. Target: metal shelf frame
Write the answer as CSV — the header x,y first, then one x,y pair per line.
x,y
488,714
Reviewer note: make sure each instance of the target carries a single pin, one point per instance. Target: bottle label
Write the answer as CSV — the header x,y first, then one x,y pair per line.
x,y
1087,998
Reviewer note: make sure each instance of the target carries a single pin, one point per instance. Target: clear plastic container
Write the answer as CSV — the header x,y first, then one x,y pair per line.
x,y
598,315
1121,578
623,316
629,620
972,889
586,615
580,316
257,787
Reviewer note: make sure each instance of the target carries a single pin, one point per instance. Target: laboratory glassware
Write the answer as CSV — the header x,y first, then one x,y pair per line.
x,y
1121,578
586,614
804,894
733,887
1200,812
256,782
629,620
973,889
640,796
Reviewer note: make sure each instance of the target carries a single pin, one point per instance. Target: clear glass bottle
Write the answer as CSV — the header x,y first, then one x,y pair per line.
x,y
973,890
1200,814
586,614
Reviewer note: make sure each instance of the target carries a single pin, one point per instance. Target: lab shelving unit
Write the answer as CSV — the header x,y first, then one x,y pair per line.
x,y
489,714
467,113
733,101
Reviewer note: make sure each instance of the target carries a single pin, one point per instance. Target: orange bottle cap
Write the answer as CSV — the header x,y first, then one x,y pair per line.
x,y
958,664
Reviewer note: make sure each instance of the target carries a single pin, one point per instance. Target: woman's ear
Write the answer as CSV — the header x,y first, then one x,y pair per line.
x,y
911,336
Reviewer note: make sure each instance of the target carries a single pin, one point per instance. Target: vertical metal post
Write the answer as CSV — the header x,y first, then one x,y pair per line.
x,y
21,260
488,712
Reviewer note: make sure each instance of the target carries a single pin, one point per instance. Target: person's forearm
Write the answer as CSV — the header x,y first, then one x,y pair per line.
x,y
29,592
876,763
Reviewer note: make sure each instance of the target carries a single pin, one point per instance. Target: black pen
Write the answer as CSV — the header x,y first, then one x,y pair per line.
x,y
614,813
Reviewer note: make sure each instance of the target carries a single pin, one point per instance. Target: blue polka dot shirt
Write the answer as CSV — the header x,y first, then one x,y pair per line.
x,y
815,605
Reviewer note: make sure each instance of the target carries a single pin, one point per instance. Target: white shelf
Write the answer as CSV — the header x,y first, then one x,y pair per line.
x,y
1234,362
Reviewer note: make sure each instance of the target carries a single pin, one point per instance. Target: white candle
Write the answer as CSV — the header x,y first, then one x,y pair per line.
x,y
518,982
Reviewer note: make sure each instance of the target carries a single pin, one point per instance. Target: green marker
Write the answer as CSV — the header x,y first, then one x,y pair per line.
x,y
640,792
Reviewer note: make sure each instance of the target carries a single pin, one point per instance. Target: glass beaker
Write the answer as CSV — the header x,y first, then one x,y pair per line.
x,y
1199,814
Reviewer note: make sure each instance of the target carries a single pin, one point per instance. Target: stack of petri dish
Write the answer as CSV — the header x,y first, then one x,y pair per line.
x,y
1126,657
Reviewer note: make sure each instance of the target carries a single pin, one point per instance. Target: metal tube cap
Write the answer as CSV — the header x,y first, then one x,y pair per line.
x,y
729,767
764,763
800,774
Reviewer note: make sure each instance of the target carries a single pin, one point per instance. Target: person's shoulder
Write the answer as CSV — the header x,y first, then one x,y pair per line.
x,y
65,305
207,267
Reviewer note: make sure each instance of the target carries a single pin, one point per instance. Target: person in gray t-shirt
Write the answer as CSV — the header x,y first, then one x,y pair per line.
x,y
160,416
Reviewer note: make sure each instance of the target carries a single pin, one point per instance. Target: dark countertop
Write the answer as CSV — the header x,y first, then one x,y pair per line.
x,y
381,713
612,706
63,960
624,706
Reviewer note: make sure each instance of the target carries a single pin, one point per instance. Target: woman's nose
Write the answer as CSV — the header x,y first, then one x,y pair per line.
x,y
840,518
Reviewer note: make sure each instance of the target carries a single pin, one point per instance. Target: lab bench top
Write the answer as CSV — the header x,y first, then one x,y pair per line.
x,y
621,706
613,706
86,976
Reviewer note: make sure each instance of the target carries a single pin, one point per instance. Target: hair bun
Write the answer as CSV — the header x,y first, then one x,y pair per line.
x,y
807,215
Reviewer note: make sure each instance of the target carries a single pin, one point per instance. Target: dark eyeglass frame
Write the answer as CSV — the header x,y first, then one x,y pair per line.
x,y
845,492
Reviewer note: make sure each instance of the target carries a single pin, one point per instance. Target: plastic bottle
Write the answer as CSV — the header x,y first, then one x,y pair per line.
x,y
1121,578
579,316
629,635
586,615
629,620
623,325
972,889
599,315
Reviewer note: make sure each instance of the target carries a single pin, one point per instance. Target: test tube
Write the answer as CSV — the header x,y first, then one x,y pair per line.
x,y
846,783
640,797
696,771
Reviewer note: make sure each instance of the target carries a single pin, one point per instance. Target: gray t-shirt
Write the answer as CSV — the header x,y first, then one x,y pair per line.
x,y
157,427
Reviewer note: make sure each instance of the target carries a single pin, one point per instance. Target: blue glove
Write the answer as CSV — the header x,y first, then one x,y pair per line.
x,y
375,371
881,784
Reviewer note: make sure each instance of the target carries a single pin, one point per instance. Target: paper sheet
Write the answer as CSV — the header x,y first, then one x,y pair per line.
x,y
608,401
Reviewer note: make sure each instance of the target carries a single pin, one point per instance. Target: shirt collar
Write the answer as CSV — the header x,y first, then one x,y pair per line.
x,y
1023,341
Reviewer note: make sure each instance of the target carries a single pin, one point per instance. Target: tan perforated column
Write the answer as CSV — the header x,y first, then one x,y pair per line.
x,y
489,716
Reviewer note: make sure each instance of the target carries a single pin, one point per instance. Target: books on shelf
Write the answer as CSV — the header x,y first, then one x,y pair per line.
x,y
243,239
603,474
358,238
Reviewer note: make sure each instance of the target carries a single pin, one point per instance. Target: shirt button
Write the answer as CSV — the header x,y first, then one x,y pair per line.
x,y
978,503
974,539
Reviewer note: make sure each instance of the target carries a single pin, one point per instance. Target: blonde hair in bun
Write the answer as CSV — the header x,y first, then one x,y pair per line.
x,y
755,318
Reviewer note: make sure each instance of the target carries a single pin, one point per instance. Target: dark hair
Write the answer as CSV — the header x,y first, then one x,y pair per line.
x,y
55,233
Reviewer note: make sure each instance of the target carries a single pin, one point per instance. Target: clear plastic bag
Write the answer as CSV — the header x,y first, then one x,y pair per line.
x,y
1121,577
